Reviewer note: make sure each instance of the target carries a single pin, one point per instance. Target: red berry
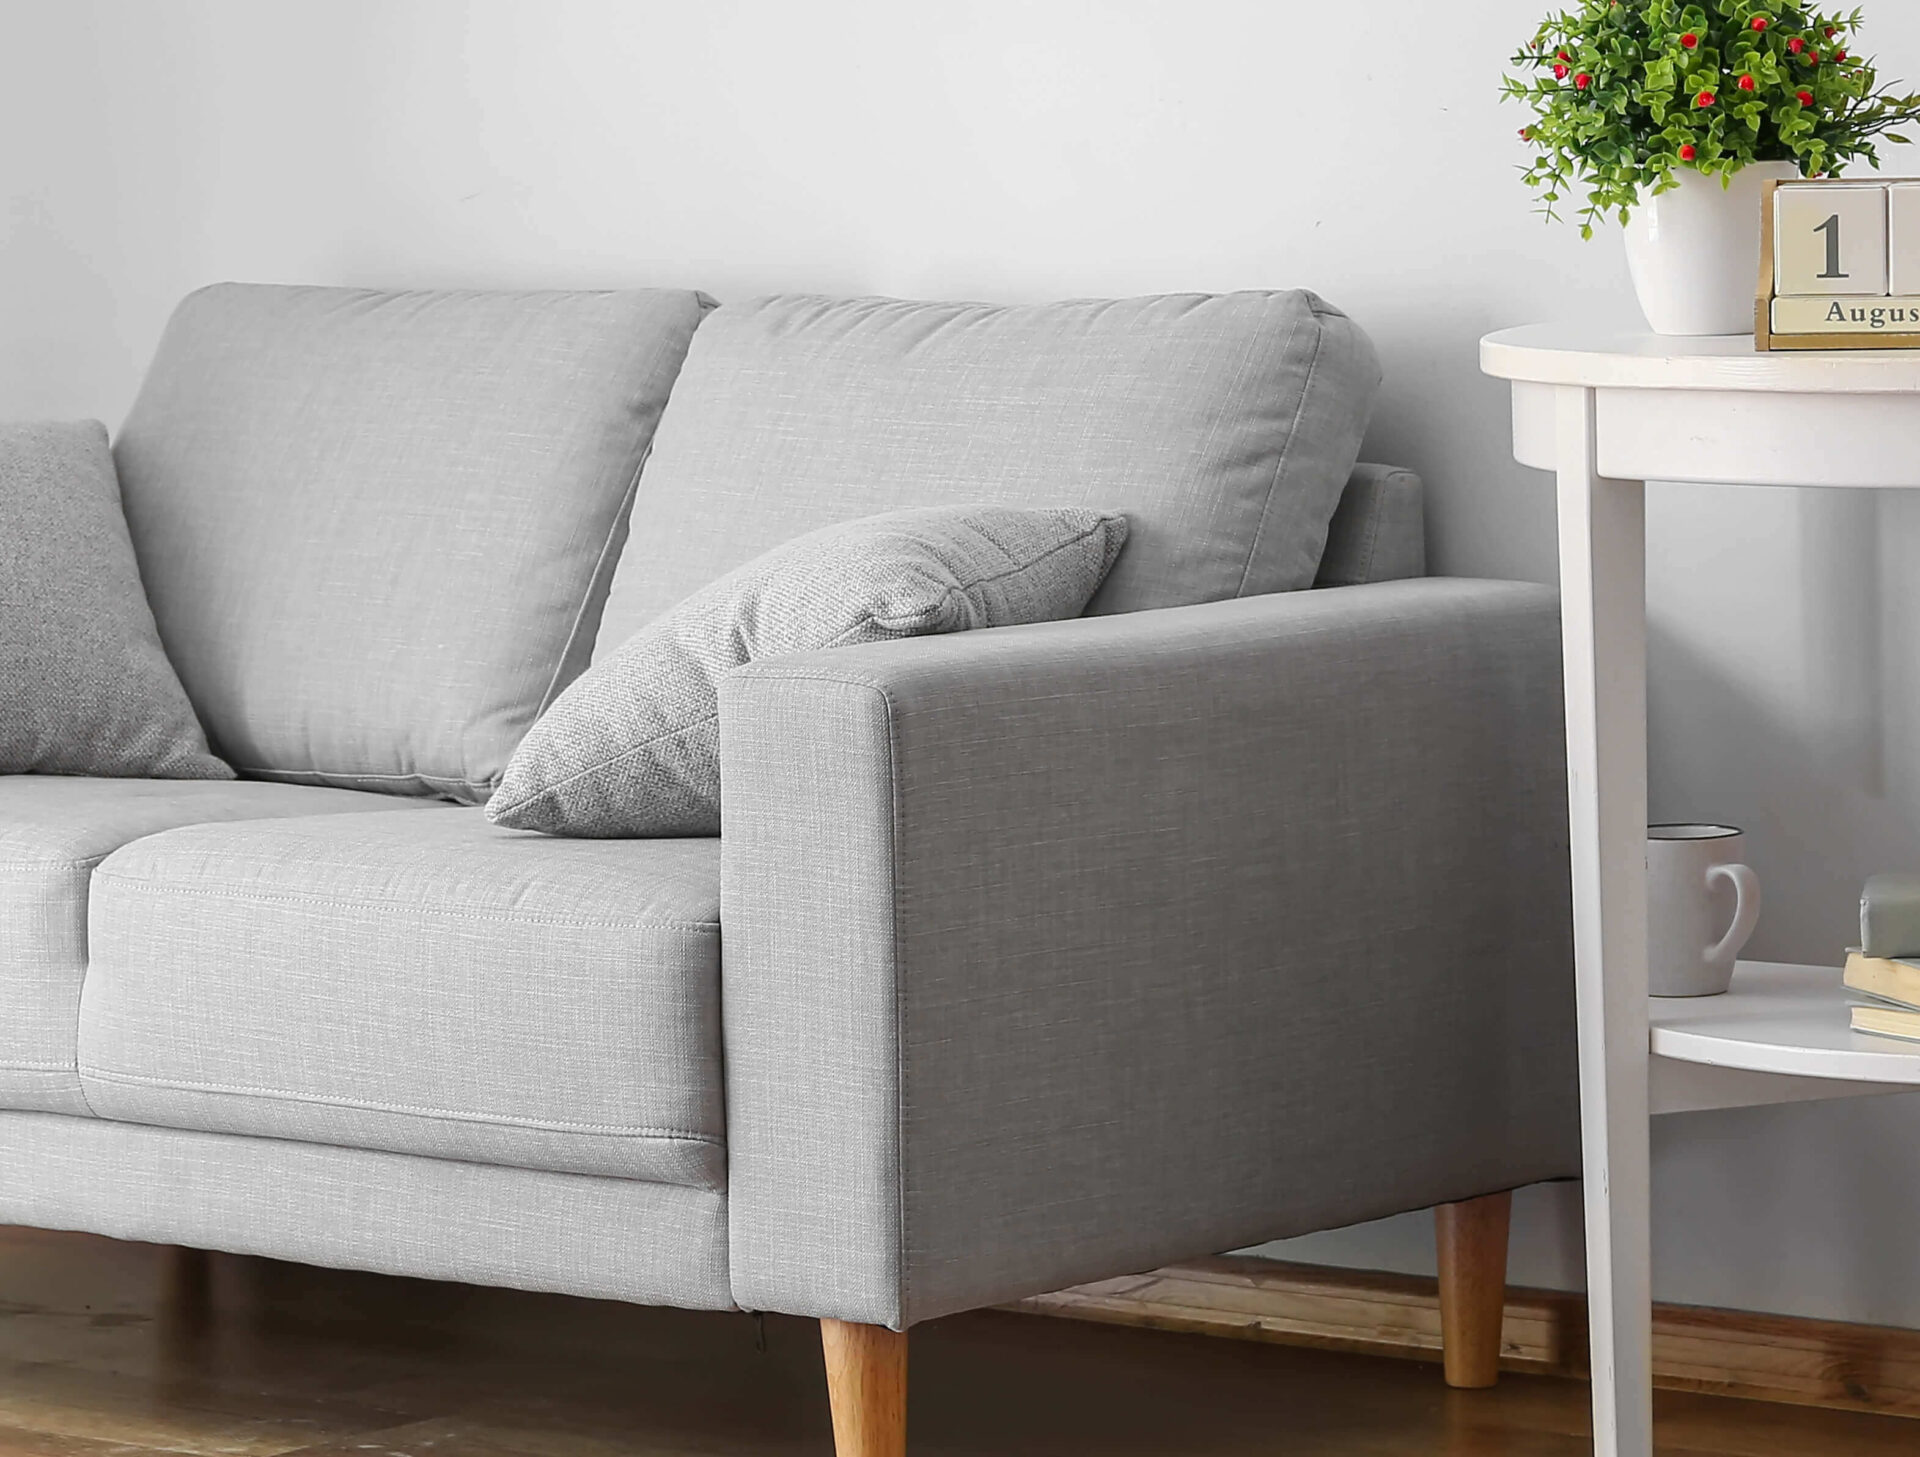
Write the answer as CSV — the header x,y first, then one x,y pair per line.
x,y
1562,56
1796,45
1583,81
1559,73
1688,151
1746,83
1839,55
1759,22
1806,97
1828,32
1705,98
1689,40
1813,58
1526,133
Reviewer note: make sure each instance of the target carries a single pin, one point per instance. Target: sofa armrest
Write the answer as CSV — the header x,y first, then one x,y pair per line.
x,y
1052,953
1379,530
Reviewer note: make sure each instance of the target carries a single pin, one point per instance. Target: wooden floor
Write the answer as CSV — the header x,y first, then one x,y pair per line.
x,y
114,1350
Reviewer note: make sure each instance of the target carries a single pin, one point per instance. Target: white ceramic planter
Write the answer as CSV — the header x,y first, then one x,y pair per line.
x,y
1694,252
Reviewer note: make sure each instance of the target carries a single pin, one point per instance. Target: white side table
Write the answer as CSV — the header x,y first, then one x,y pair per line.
x,y
1606,412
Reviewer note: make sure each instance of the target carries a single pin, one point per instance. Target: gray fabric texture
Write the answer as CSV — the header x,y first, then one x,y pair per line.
x,y
1068,950
417,982
1222,426
85,687
633,746
377,528
438,1219
54,830
1379,531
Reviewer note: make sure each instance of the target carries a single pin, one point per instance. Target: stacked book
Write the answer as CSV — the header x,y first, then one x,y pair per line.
x,y
1885,970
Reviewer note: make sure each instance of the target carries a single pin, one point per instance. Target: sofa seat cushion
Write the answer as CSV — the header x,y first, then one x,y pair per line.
x,y
54,830
420,983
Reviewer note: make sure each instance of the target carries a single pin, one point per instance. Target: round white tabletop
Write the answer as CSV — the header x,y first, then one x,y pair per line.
x,y
1601,358
1714,409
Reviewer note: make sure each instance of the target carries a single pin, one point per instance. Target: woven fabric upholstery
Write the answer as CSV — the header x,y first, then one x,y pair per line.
x,y
377,528
1379,532
1073,949
419,982
437,1219
633,747
1222,426
54,830
84,685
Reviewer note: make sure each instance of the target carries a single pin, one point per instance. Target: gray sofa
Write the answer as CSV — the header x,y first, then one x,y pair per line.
x,y
1026,957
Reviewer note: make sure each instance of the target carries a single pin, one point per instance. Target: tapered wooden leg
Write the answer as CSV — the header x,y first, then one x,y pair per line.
x,y
867,1382
1472,1240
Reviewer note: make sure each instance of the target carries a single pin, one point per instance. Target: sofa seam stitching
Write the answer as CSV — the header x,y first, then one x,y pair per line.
x,y
547,791
948,594
298,774
899,1002
628,499
767,670
690,928
887,707
83,862
1286,450
361,1105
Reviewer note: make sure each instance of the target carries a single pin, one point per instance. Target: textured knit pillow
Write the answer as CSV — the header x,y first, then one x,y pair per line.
x,y
85,687
633,747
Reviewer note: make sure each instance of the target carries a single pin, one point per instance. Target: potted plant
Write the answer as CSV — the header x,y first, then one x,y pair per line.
x,y
1671,115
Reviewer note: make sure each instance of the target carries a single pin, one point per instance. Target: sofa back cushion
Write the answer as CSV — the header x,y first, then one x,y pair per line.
x,y
377,528
1222,426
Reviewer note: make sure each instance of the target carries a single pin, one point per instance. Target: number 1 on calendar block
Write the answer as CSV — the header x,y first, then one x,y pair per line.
x,y
1831,239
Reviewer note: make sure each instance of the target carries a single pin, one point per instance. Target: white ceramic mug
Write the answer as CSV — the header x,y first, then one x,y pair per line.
x,y
1695,882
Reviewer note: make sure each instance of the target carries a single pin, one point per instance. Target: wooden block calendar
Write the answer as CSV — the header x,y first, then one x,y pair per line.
x,y
1839,265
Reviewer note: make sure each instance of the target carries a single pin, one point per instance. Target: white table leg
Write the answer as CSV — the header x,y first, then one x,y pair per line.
x,y
1603,632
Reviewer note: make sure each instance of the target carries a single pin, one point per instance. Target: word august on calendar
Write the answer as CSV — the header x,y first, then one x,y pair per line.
x,y
1839,265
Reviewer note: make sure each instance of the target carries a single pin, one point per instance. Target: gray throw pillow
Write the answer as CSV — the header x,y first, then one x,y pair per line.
x,y
633,746
85,687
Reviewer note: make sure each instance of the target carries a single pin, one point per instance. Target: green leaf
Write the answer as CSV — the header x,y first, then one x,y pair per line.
x,y
1618,140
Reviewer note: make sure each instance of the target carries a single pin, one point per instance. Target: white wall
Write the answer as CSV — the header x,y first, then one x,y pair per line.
x,y
1027,150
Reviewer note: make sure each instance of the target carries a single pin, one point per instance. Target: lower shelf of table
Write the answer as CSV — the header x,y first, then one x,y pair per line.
x,y
1780,1036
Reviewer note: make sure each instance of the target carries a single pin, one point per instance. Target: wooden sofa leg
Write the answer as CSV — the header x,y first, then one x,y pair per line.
x,y
1472,1240
867,1383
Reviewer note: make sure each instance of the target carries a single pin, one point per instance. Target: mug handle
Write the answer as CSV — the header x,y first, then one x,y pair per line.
x,y
1746,907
